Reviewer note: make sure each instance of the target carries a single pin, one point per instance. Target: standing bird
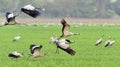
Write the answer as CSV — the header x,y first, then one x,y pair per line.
x,y
32,11
63,46
16,38
99,41
107,43
66,29
10,17
35,50
15,54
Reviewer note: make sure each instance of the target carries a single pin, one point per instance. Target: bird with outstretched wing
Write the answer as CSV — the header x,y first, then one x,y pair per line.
x,y
66,29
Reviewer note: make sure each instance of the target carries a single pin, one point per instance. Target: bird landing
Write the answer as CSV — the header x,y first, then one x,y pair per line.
x,y
66,29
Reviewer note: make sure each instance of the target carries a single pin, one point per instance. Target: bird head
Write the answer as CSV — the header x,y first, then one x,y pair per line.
x,y
63,21
53,40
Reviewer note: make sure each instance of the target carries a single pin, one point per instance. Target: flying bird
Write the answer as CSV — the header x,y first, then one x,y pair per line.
x,y
63,45
99,41
32,11
35,50
66,29
16,38
10,17
15,54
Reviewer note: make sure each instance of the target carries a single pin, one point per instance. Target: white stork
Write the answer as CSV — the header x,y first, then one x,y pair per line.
x,y
16,38
99,41
31,10
63,45
66,29
15,54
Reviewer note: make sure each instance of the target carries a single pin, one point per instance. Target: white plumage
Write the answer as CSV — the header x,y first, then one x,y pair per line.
x,y
32,11
99,41
15,54
63,45
11,15
29,7
112,42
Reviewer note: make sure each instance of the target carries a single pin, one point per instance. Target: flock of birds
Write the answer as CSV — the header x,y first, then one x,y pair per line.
x,y
109,42
60,42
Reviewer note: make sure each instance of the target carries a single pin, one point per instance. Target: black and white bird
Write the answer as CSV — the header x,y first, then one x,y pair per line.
x,y
107,43
35,50
63,45
66,29
15,54
32,11
16,38
99,41
10,17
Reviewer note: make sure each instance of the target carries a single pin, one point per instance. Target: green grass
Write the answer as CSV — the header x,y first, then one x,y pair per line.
x,y
87,55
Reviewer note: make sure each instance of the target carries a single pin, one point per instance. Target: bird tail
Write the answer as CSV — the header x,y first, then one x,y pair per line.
x,y
69,51
14,40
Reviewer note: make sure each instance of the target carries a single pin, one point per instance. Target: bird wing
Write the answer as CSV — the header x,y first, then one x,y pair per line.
x,y
107,43
112,42
99,41
66,29
63,45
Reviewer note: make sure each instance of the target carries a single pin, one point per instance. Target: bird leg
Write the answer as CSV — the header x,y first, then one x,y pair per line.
x,y
57,51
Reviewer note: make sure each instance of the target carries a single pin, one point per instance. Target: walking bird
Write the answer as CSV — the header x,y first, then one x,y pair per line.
x,y
15,54
32,11
66,29
99,41
63,45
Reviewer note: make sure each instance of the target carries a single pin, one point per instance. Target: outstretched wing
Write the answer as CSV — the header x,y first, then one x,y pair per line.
x,y
31,10
65,28
10,17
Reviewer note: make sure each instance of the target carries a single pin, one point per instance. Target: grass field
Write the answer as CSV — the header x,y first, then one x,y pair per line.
x,y
87,54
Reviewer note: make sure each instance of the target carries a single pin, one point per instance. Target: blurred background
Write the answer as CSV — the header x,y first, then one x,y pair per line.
x,y
88,9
